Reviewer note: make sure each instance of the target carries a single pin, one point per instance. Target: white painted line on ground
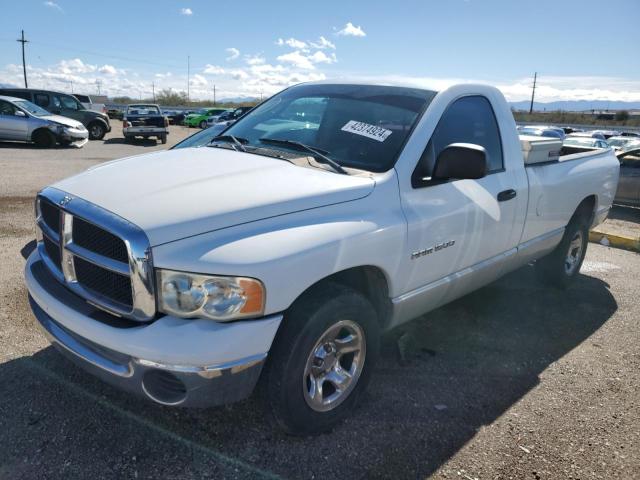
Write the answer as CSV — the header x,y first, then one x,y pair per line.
x,y
150,425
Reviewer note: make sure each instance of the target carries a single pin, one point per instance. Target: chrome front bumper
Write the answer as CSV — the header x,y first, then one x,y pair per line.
x,y
185,385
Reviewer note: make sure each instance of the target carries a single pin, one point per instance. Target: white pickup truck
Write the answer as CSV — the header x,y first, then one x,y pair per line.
x,y
276,257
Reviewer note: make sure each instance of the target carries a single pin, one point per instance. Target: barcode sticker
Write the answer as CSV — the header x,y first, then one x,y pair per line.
x,y
367,130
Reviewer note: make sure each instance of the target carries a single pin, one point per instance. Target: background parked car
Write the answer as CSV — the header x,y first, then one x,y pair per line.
x,y
88,103
585,142
229,116
628,192
66,105
199,118
115,113
201,138
541,132
620,143
23,121
590,134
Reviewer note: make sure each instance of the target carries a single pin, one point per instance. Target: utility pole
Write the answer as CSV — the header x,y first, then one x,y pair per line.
x,y
24,66
214,94
533,93
188,75
98,85
153,89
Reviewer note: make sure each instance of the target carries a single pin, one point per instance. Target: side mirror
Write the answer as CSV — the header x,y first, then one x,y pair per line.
x,y
461,161
19,113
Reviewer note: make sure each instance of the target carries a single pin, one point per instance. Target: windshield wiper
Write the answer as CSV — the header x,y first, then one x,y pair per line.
x,y
314,151
236,142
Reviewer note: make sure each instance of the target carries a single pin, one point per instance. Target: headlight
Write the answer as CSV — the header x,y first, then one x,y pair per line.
x,y
192,295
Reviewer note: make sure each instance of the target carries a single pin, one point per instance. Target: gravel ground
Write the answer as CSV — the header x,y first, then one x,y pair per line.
x,y
513,381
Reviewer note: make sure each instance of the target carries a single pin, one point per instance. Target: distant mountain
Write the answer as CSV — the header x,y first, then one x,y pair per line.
x,y
238,99
576,105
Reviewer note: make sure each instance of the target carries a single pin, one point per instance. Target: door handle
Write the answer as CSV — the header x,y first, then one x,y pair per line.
x,y
507,195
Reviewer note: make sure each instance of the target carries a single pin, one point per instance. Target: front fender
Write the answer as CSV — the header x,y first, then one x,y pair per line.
x,y
292,252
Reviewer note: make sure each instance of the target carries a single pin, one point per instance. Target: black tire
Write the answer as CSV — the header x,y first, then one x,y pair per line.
x,y
283,380
163,139
44,139
203,124
562,266
128,138
97,131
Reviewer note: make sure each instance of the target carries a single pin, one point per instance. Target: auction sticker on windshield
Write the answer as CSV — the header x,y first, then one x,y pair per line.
x,y
366,130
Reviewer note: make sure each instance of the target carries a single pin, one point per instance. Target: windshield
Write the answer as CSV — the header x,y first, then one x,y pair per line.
x,y
201,138
32,108
359,126
143,110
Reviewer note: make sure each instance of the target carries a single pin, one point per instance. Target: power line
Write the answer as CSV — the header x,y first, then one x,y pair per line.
x,y
24,65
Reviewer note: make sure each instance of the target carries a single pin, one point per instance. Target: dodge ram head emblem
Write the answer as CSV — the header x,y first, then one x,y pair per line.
x,y
65,200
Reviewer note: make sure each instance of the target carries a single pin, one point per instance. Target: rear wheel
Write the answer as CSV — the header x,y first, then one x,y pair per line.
x,y
321,360
44,139
163,138
562,265
203,124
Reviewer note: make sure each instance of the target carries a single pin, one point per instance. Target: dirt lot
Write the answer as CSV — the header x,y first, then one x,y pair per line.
x,y
514,381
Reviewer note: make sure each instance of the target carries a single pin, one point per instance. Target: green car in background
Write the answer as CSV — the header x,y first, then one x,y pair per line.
x,y
199,118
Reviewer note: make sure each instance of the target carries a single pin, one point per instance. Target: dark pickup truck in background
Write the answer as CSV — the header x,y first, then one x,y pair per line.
x,y
145,120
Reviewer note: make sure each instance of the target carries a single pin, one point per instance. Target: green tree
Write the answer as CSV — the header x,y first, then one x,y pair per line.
x,y
170,98
622,115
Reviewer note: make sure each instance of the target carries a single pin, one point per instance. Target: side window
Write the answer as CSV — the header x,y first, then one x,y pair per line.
x,y
57,104
6,108
42,100
69,103
467,120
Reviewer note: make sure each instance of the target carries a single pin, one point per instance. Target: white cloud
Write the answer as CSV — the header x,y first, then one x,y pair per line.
x,y
239,74
350,30
213,69
297,59
75,65
53,5
292,42
198,80
233,53
254,59
186,11
163,75
321,57
322,43
108,70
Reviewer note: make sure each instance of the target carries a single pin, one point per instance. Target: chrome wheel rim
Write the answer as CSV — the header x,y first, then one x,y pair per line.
x,y
334,366
574,253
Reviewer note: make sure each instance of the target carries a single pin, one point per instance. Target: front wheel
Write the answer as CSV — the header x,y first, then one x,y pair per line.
x,y
321,360
561,266
203,124
97,131
44,139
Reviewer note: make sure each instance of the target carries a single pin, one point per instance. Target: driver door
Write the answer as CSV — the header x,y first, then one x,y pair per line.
x,y
461,231
13,126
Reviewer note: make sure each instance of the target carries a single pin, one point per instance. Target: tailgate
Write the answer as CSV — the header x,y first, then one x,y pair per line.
x,y
146,121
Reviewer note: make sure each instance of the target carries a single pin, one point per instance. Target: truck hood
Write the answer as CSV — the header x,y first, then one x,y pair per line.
x,y
180,193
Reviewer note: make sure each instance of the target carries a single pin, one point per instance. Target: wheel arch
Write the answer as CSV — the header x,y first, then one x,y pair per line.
x,y
42,129
586,209
369,280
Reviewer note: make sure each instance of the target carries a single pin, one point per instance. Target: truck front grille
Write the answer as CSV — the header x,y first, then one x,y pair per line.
x,y
50,215
104,282
53,250
97,255
98,240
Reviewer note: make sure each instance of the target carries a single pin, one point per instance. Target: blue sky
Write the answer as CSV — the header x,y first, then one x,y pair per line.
x,y
581,49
